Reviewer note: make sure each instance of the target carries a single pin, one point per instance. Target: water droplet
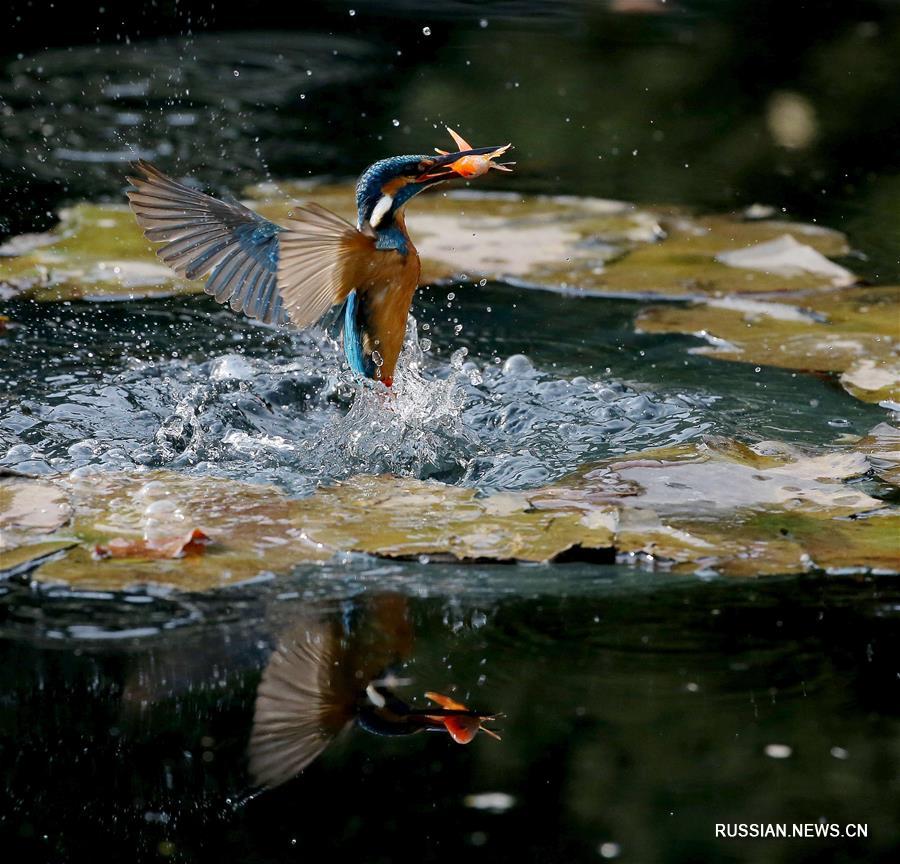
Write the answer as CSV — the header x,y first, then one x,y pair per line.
x,y
352,12
457,329
237,74
458,357
426,31
482,283
302,95
377,359
517,365
395,122
451,296
483,23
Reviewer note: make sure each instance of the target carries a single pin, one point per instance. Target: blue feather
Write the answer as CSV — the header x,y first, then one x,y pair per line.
x,y
353,348
236,248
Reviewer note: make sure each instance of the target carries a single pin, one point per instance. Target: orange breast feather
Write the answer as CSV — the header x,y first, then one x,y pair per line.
x,y
385,282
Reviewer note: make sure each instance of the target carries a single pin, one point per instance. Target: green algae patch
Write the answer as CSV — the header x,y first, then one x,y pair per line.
x,y
852,331
719,506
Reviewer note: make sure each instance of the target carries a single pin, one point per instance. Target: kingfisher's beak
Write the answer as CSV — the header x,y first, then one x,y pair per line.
x,y
467,162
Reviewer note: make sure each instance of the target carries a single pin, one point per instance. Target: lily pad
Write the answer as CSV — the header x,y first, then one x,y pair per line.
x,y
721,505
252,529
853,331
97,252
739,510
494,235
716,477
785,256
23,558
404,518
29,509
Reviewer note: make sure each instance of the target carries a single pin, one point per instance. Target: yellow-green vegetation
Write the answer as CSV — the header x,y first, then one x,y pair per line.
x,y
95,251
720,506
585,243
852,331
762,292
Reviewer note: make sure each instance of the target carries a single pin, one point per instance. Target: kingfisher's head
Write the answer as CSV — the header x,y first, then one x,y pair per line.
x,y
386,186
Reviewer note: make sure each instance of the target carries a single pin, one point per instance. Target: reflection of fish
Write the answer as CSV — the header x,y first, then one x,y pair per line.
x,y
321,681
463,726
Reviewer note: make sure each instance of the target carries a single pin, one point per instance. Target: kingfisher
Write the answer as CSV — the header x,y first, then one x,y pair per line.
x,y
297,272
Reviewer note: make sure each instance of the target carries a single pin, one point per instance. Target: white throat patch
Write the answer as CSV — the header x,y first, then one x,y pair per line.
x,y
381,208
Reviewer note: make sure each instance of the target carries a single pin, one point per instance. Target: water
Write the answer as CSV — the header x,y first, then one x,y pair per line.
x,y
198,389
640,709
638,713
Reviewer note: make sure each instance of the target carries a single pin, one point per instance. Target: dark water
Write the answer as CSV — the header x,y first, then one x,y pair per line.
x,y
640,709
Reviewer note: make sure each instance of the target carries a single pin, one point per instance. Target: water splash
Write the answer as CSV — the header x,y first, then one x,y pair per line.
x,y
279,407
418,428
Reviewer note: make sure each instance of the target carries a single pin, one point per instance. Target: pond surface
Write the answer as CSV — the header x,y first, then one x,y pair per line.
x,y
639,708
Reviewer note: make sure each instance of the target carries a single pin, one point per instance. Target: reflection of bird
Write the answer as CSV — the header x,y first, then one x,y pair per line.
x,y
321,679
294,273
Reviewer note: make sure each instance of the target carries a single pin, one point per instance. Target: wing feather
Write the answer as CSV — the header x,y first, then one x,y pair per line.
x,y
278,274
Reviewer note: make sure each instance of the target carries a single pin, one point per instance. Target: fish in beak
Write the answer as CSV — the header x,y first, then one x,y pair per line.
x,y
467,162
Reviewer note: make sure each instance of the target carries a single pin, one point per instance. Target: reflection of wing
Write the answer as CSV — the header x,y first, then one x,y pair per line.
x,y
316,681
299,710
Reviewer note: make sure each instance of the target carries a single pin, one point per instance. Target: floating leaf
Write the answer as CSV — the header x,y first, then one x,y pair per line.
x,y
29,508
716,477
96,251
721,505
738,510
882,449
405,518
254,528
23,558
853,331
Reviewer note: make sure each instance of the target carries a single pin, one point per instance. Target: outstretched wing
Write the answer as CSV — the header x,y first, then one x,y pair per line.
x,y
271,272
